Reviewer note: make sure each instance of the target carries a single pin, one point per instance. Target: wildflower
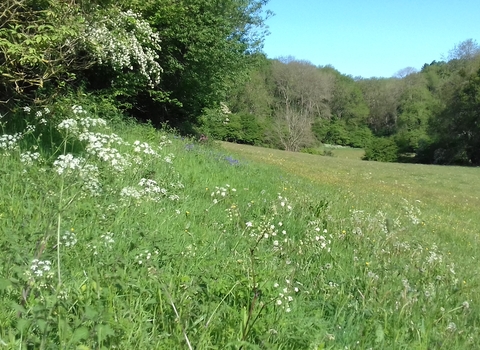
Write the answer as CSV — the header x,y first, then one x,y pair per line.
x,y
69,239
66,163
108,239
26,109
28,158
9,142
248,224
452,327
41,268
68,124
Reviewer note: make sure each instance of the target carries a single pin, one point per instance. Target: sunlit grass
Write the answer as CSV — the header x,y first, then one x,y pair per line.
x,y
193,246
449,195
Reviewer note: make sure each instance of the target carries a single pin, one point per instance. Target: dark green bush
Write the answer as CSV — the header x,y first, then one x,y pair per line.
x,y
381,150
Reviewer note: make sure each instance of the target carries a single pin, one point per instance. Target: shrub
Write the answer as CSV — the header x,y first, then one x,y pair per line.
x,y
381,150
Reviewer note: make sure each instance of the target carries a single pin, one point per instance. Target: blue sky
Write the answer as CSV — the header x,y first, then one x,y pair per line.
x,y
370,37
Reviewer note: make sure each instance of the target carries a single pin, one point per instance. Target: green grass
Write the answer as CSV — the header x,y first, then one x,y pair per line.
x,y
256,249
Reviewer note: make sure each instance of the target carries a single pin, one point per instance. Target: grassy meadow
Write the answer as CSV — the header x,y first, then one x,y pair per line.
x,y
115,235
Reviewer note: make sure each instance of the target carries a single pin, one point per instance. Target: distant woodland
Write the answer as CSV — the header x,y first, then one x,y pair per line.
x,y
427,116
198,66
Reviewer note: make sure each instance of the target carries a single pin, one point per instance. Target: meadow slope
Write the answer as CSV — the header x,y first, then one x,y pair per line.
x,y
115,235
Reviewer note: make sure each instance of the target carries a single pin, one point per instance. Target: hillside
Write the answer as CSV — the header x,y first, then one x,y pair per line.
x,y
192,247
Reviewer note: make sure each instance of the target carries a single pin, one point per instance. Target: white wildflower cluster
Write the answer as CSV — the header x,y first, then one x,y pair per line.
x,y
434,257
452,327
190,251
169,158
372,276
40,273
69,238
143,147
99,145
90,176
106,242
429,290
88,122
125,41
108,239
323,243
97,140
10,142
67,164
149,190
316,238
268,230
78,110
365,222
283,201
233,213
131,192
285,295
412,212
221,193
39,115
224,108
41,268
93,248
28,158
145,256
164,140
70,125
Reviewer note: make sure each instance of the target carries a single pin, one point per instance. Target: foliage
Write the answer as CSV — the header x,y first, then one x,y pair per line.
x,y
458,127
207,49
381,150
138,241
338,132
301,92
39,43
221,124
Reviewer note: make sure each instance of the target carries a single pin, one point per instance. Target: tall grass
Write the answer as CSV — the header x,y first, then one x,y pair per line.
x,y
118,236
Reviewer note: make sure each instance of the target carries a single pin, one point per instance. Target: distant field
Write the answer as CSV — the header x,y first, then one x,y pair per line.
x,y
450,196
346,152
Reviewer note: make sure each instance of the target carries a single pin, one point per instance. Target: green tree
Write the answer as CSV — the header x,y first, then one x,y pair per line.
x,y
39,44
458,127
382,97
417,106
207,48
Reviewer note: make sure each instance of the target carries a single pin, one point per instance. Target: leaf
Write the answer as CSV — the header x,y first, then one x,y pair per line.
x,y
90,313
23,325
104,330
379,335
4,283
83,347
81,333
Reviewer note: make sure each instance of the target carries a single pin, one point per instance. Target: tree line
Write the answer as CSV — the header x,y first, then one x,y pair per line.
x,y
163,61
198,66
427,116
